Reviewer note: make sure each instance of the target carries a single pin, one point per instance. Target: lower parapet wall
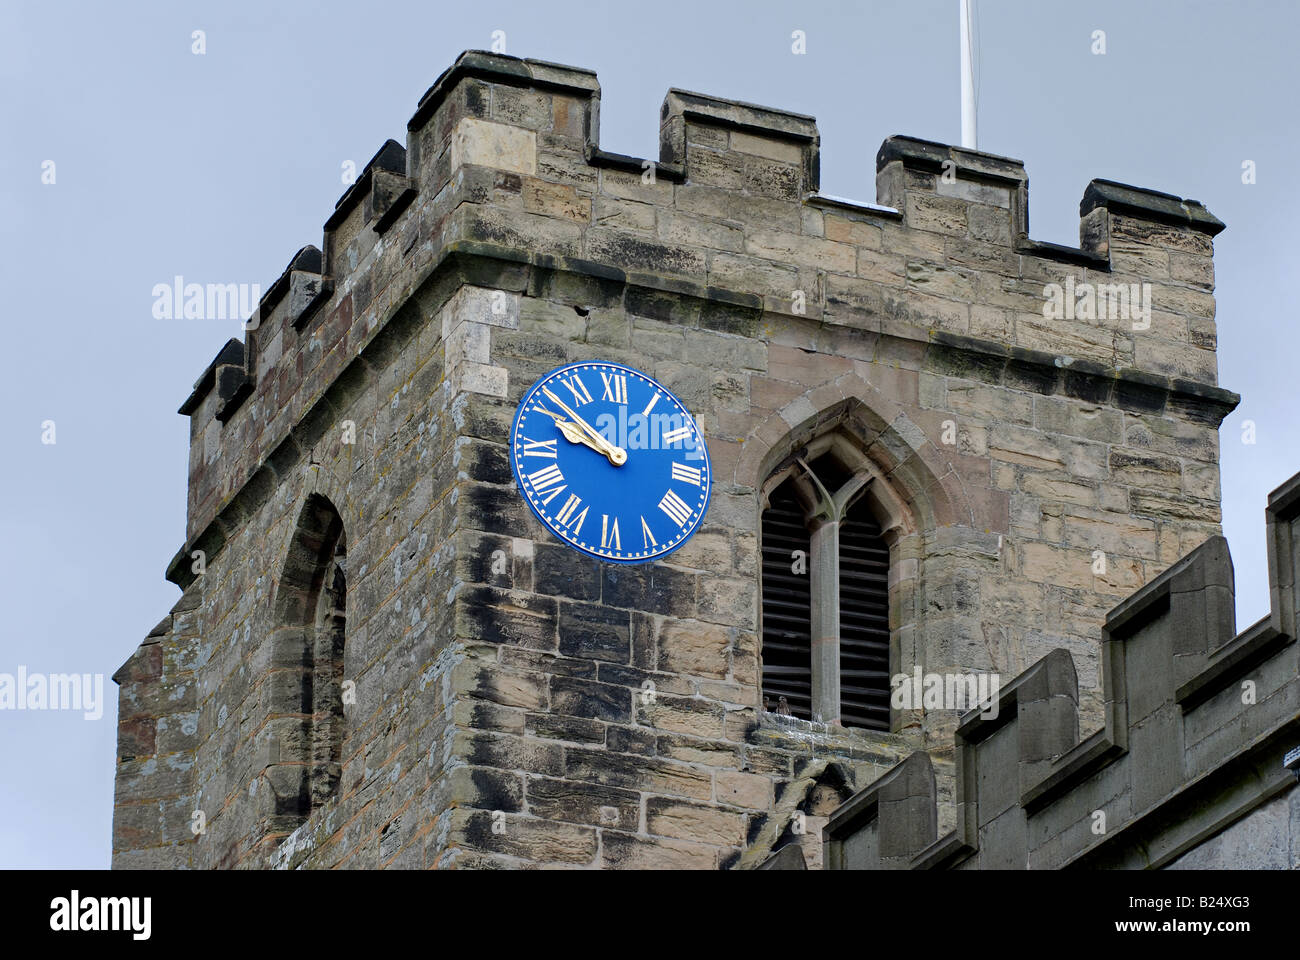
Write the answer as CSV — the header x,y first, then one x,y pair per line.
x,y
1197,721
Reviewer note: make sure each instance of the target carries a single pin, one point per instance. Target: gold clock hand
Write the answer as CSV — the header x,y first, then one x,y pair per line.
x,y
616,455
574,435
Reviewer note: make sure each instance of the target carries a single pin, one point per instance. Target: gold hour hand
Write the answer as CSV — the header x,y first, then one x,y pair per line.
x,y
616,455
574,435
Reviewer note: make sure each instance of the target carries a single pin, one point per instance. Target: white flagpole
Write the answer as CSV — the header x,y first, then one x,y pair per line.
x,y
967,82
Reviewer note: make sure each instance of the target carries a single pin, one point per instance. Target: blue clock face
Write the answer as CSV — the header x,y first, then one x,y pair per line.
x,y
610,461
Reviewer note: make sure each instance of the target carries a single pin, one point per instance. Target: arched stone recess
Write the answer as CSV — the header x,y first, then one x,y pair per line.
x,y
941,538
303,738
806,803
913,465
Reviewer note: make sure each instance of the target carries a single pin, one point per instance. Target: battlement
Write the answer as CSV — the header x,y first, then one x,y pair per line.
x,y
503,183
1197,720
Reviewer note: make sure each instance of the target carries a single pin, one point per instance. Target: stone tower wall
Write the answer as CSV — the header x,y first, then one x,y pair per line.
x,y
516,703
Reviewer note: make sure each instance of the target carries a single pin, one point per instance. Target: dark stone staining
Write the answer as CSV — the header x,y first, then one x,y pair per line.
x,y
477,102
664,307
650,588
957,362
547,663
730,318
478,832
493,716
1139,398
494,273
631,740
491,227
497,790
1119,460
480,558
508,182
801,765
581,289
616,769
495,616
1193,409
477,186
496,509
645,712
1034,377
530,345
750,726
1086,387
595,632
488,462
584,698
562,572
644,641
636,254
514,753
582,802
625,676
487,417
573,729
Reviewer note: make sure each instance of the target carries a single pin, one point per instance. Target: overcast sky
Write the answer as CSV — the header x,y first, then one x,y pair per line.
x,y
217,167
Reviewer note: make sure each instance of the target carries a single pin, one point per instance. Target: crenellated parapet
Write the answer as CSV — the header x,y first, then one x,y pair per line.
x,y
1198,719
503,170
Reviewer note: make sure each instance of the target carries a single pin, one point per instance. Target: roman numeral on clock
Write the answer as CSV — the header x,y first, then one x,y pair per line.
x,y
566,516
647,538
685,474
546,478
609,533
677,511
542,448
615,387
675,436
579,390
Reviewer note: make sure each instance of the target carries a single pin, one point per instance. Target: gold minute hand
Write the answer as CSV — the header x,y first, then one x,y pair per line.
x,y
616,455
571,431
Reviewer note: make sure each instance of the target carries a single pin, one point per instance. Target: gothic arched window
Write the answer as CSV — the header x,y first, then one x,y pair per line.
x,y
311,623
825,589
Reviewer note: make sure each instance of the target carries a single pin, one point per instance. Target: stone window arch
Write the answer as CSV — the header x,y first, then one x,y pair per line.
x,y
833,535
306,718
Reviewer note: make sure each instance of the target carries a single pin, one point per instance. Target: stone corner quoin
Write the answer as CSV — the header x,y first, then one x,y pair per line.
x,y
497,699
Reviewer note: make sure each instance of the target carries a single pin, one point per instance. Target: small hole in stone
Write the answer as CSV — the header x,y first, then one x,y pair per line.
x,y
581,311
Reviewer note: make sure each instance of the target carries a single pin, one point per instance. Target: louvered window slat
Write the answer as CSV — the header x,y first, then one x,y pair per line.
x,y
864,621
787,608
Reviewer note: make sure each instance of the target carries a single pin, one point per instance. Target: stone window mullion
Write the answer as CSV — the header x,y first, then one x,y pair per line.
x,y
824,573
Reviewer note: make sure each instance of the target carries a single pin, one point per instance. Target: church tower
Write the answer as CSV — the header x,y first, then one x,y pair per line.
x,y
937,447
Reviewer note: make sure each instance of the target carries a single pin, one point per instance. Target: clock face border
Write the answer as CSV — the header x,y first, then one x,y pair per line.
x,y
594,551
